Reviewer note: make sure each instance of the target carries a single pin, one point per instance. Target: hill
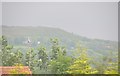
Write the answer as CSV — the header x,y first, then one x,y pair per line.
x,y
97,48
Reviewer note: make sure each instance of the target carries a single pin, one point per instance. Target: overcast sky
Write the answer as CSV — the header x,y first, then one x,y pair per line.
x,y
89,19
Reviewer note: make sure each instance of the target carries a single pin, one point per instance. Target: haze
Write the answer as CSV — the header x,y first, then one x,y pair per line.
x,y
90,19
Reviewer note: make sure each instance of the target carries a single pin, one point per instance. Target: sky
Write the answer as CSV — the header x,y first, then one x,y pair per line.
x,y
0,13
0,18
60,0
90,19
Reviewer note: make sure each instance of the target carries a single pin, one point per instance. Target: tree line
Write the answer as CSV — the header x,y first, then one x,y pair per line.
x,y
56,61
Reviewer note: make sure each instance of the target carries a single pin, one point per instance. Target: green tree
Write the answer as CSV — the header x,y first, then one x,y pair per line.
x,y
8,56
6,53
108,64
60,65
101,65
112,68
112,65
81,65
19,57
1,51
42,57
56,48
60,61
15,58
30,58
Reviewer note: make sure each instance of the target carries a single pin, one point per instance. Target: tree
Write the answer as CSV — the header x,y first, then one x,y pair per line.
x,y
8,56
81,65
56,48
7,53
101,65
59,60
30,58
1,51
18,57
60,65
112,66
42,57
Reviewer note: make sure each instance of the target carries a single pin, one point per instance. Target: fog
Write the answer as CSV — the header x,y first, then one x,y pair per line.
x,y
90,19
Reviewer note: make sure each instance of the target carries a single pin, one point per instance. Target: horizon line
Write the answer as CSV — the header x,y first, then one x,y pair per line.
x,y
62,30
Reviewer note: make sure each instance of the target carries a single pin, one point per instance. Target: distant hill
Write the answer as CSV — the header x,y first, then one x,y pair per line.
x,y
17,35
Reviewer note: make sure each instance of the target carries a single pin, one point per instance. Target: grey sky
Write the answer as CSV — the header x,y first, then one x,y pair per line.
x,y
90,19
0,13
0,18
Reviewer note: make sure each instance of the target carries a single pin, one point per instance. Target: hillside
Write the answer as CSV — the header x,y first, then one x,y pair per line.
x,y
17,35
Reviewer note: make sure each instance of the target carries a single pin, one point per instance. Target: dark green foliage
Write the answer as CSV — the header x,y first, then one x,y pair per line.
x,y
59,60
42,57
60,65
30,58
7,54
19,57
55,48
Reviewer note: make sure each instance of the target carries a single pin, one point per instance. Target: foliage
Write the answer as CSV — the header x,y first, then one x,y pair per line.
x,y
18,57
19,69
30,58
81,65
56,48
111,69
43,34
7,54
42,57
60,65
112,66
58,61
0,51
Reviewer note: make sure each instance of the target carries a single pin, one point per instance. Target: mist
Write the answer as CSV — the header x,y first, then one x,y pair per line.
x,y
90,19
